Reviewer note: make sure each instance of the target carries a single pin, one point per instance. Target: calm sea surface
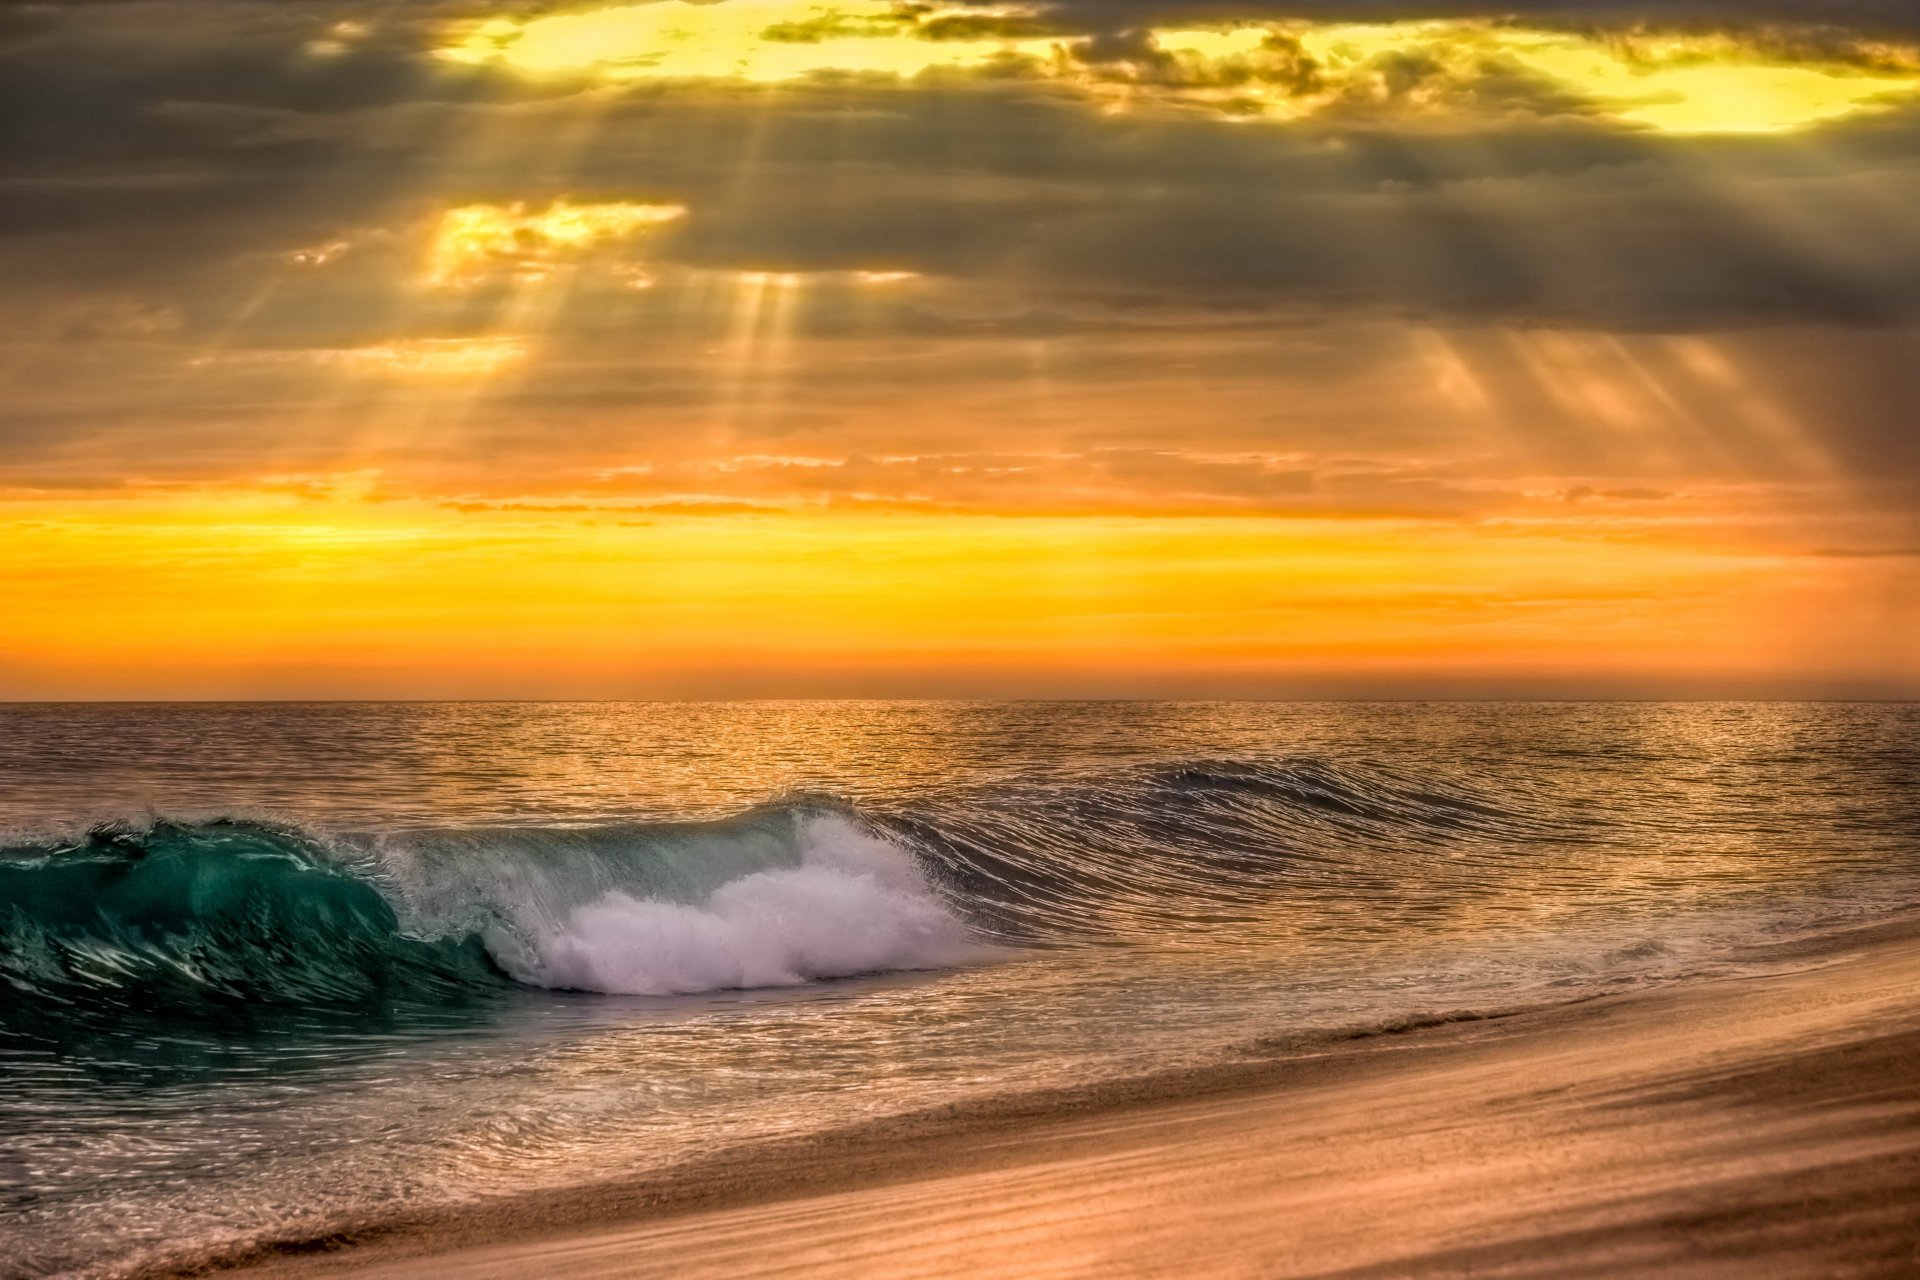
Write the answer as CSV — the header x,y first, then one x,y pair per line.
x,y
265,965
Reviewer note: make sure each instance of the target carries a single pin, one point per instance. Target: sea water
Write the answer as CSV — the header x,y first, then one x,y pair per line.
x,y
266,967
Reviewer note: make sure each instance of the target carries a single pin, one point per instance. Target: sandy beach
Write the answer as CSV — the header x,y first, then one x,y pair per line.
x,y
1729,1125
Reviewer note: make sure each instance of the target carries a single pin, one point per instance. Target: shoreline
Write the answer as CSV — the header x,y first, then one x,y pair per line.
x,y
1782,1102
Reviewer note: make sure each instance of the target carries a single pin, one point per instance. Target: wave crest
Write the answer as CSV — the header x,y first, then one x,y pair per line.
x,y
855,904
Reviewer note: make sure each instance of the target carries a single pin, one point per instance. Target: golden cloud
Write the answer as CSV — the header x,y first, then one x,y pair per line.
x,y
481,240
1271,70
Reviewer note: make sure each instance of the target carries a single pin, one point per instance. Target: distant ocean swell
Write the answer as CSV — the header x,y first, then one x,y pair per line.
x,y
170,916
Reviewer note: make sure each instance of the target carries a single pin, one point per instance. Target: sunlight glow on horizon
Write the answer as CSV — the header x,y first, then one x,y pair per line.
x,y
245,583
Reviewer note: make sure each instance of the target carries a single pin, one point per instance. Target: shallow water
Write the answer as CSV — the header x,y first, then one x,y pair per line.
x,y
320,960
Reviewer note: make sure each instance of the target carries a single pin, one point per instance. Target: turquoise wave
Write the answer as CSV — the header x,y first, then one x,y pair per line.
x,y
176,915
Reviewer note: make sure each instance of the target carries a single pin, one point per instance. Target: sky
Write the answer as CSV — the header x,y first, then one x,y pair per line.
x,y
1222,348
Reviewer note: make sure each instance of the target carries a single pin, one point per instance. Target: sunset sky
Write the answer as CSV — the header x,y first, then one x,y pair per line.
x,y
430,348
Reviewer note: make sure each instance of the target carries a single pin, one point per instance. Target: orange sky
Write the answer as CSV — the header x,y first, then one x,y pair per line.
x,y
437,354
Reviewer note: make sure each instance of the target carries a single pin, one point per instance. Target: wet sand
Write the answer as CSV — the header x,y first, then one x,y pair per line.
x,y
1753,1126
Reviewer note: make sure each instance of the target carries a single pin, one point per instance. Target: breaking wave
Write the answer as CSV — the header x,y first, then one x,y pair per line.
x,y
854,904
172,915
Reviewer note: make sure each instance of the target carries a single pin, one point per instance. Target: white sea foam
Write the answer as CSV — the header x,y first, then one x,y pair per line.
x,y
855,904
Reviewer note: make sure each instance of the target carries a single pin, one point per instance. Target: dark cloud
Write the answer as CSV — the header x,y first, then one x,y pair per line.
x,y
147,147
960,25
1552,224
1884,17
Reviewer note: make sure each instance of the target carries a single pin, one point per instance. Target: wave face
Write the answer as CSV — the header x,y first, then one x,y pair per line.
x,y
1192,849
175,916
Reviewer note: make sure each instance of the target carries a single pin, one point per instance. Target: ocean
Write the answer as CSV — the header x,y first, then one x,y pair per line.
x,y
272,967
